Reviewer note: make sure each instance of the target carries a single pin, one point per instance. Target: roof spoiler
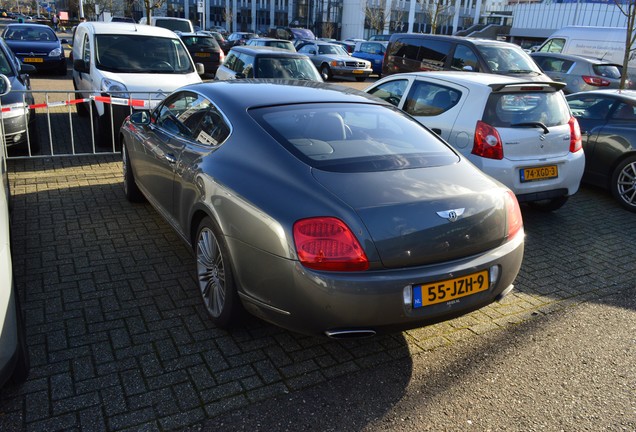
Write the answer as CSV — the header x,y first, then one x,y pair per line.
x,y
519,85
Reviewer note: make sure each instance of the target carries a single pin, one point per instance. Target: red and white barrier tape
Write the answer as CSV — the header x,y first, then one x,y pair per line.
x,y
136,103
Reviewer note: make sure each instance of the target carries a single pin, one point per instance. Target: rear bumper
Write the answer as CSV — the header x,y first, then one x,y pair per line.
x,y
570,172
285,293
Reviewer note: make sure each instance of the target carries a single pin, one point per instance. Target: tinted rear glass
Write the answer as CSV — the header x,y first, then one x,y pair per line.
x,y
198,42
354,137
609,71
510,109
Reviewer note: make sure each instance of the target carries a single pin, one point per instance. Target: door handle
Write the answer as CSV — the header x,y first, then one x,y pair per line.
x,y
170,158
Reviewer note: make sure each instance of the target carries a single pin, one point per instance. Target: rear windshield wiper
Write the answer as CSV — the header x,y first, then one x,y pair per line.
x,y
532,124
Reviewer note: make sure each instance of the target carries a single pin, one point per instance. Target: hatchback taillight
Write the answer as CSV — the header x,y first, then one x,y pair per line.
x,y
576,142
595,81
327,243
487,142
221,56
514,221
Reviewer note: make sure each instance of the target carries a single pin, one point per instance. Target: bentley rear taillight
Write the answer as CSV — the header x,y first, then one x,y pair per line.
x,y
514,220
487,143
327,243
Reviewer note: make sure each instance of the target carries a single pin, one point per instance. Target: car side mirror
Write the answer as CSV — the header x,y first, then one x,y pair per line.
x,y
468,69
5,85
312,52
27,68
81,66
140,118
64,41
200,68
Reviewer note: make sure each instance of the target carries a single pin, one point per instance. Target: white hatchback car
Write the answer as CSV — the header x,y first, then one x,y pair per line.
x,y
521,133
127,60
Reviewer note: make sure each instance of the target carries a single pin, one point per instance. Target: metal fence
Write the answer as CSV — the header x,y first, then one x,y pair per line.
x,y
62,123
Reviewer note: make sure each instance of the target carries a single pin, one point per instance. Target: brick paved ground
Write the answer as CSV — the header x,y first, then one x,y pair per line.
x,y
119,339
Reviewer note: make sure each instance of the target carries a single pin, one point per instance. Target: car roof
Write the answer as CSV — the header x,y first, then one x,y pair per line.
x,y
573,57
266,50
626,94
28,25
466,78
476,41
244,94
125,27
267,39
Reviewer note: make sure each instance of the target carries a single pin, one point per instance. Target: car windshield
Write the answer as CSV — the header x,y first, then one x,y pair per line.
x,y
29,33
507,60
353,137
141,54
331,49
519,109
289,68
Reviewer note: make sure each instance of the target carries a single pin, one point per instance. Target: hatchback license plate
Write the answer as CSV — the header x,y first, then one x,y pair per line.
x,y
202,54
33,60
450,289
539,173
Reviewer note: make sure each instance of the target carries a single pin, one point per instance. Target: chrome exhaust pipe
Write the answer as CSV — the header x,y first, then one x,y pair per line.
x,y
350,334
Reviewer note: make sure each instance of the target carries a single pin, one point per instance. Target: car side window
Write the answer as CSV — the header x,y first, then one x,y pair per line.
x,y
590,107
181,113
213,129
624,112
86,52
391,91
553,46
428,99
230,60
245,65
464,59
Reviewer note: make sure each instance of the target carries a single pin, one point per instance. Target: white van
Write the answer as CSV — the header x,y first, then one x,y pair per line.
x,y
171,23
607,43
125,60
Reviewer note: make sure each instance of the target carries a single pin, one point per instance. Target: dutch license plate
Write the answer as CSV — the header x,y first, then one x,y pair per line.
x,y
450,289
538,173
202,54
358,71
33,60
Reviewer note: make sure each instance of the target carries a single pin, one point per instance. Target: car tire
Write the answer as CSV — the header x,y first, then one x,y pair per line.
x,y
23,362
623,184
549,205
82,108
325,72
131,190
215,277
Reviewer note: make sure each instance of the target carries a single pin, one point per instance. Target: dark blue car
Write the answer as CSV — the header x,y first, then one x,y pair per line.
x,y
37,45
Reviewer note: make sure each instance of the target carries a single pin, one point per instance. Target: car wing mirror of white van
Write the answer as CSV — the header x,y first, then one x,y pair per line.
x,y
200,68
5,85
80,65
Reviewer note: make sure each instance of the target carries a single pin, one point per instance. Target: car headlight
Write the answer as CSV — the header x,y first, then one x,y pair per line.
x,y
114,88
17,110
56,52
337,63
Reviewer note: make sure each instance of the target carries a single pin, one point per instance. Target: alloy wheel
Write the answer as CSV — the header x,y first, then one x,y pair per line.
x,y
211,272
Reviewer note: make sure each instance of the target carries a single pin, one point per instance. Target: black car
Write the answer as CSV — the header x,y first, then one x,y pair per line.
x,y
18,121
38,45
204,49
608,125
410,52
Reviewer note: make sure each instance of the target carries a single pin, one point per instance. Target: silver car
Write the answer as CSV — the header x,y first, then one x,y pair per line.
x,y
322,211
332,60
579,73
14,354
521,133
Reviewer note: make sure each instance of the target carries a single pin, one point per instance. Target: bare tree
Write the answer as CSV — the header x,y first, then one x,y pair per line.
x,y
628,8
375,16
227,17
328,29
434,10
151,5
